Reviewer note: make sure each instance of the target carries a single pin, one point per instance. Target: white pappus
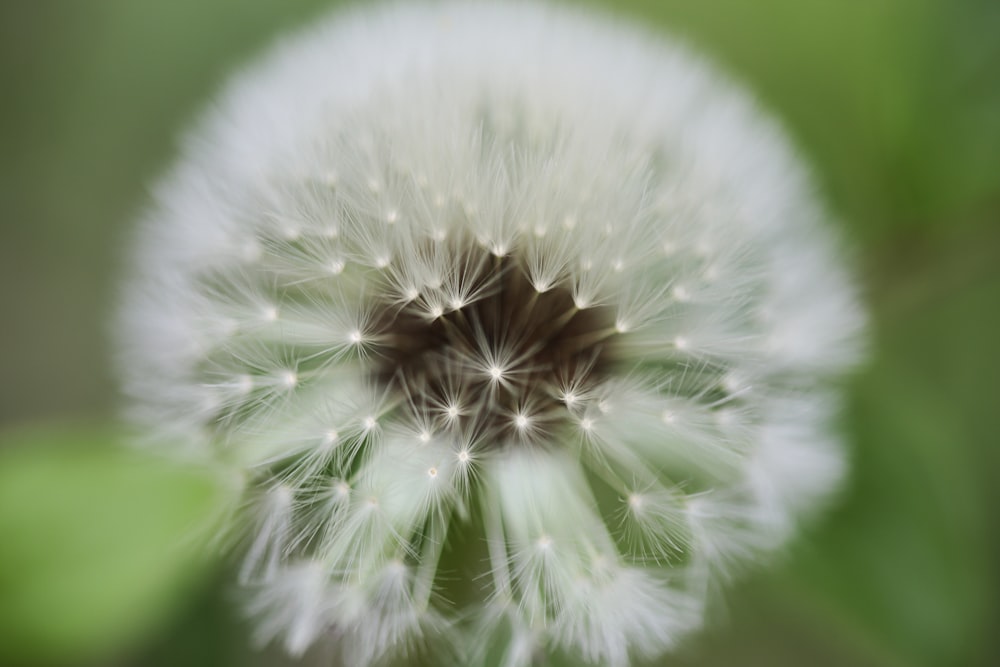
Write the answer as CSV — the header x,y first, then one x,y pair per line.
x,y
518,325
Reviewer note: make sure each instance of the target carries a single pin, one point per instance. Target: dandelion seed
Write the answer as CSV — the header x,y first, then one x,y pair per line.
x,y
421,289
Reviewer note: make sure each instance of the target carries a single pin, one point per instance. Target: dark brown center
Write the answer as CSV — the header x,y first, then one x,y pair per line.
x,y
507,366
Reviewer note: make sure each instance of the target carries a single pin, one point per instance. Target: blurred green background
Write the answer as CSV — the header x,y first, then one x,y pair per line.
x,y
896,103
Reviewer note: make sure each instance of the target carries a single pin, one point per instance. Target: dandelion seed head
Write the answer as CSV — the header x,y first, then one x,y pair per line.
x,y
421,289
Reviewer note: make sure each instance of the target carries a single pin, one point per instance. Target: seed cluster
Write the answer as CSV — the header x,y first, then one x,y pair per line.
x,y
514,351
503,367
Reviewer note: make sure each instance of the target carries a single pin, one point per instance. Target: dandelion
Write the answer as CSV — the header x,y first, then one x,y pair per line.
x,y
517,324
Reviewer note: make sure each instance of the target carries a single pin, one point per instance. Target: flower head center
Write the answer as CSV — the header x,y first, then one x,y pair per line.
x,y
506,355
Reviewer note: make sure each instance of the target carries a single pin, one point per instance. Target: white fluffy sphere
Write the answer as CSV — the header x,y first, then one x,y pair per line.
x,y
499,275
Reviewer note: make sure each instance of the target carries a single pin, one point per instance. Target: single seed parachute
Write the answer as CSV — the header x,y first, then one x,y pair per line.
x,y
518,326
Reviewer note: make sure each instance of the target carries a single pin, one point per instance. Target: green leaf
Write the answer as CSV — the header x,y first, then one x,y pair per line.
x,y
98,543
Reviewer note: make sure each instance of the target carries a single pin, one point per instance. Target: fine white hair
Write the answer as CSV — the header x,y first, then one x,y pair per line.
x,y
490,173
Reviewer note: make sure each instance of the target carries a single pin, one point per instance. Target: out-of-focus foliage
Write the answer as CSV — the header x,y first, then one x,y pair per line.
x,y
98,543
895,102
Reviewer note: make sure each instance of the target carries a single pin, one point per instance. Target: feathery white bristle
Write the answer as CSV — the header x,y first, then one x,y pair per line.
x,y
499,274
